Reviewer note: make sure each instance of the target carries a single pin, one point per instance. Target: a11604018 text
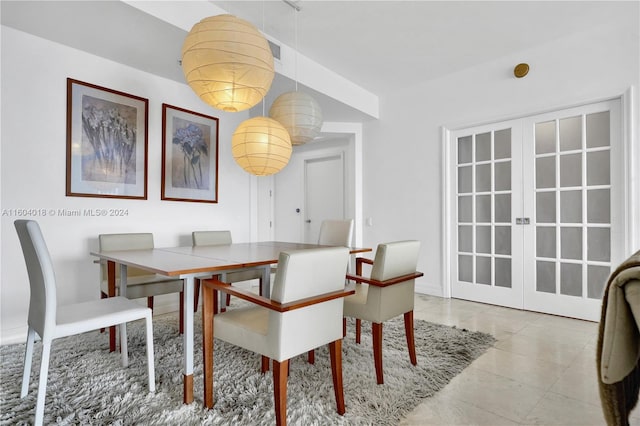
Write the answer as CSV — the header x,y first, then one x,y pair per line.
x,y
42,212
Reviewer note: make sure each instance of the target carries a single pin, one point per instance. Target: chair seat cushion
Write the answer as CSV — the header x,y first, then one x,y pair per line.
x,y
86,316
245,327
146,285
356,305
379,304
249,274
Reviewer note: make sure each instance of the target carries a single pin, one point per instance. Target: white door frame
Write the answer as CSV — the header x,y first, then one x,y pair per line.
x,y
631,179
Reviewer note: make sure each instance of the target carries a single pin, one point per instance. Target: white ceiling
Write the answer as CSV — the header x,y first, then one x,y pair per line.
x,y
390,45
379,45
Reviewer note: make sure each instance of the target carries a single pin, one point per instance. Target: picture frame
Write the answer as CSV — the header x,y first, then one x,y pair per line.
x,y
189,155
106,142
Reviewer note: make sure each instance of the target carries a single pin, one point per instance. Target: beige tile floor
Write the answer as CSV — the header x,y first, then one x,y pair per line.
x,y
541,370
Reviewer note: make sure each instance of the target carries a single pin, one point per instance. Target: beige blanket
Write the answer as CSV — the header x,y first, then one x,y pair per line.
x,y
618,349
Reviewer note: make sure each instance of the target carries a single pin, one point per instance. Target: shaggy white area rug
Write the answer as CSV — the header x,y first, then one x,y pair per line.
x,y
88,386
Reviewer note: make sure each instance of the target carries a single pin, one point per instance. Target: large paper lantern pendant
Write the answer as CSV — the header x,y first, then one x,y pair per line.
x,y
227,62
261,146
300,114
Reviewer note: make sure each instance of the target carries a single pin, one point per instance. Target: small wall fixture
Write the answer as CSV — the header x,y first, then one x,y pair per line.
x,y
227,62
521,70
261,146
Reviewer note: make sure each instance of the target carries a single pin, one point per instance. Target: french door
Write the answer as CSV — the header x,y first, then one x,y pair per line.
x,y
539,210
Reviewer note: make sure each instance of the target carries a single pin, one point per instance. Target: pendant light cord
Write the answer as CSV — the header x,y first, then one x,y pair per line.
x,y
296,43
263,32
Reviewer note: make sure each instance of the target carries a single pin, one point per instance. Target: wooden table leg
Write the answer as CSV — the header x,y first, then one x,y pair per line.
x,y
187,382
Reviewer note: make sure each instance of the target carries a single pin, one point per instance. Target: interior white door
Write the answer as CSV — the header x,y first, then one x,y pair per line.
x,y
488,249
574,194
539,210
324,193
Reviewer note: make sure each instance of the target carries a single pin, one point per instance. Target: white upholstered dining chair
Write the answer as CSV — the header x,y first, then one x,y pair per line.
x,y
217,238
334,232
304,312
389,292
50,321
140,283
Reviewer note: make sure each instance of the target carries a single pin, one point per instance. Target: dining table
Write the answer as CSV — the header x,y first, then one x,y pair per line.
x,y
193,262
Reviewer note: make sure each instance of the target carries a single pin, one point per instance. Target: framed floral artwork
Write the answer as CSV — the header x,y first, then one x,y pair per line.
x,y
106,142
189,156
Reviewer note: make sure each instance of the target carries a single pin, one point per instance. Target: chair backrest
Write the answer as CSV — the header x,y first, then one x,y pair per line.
x,y
336,232
42,280
395,259
128,241
307,273
211,238
302,274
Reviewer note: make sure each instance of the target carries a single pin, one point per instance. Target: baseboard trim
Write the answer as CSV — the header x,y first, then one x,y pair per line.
x,y
432,290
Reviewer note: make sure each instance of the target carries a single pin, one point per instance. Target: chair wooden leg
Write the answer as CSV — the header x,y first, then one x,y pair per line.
x,y
112,338
227,300
311,356
209,302
411,344
377,351
335,352
358,329
180,314
264,366
344,327
111,289
102,296
280,390
196,294
180,319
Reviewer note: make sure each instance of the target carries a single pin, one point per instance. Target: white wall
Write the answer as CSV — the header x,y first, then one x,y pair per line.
x,y
34,73
402,151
